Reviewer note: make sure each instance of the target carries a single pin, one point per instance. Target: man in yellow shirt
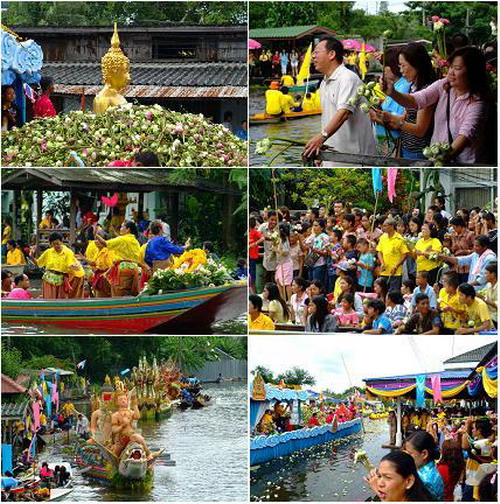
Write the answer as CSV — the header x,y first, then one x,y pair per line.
x,y
287,102
308,104
273,99
287,80
453,312
316,97
392,253
478,315
256,319
15,255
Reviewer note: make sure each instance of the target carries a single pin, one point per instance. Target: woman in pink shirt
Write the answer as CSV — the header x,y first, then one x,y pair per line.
x,y
464,93
43,106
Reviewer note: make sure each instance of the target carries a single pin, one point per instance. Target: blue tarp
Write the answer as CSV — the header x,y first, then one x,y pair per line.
x,y
6,458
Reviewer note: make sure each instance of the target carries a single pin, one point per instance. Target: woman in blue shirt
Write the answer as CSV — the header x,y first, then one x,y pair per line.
x,y
422,447
159,249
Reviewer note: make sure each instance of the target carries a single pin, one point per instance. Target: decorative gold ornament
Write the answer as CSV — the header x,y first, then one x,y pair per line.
x,y
258,388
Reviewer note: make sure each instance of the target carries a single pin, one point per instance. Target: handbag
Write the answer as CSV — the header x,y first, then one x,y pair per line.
x,y
311,259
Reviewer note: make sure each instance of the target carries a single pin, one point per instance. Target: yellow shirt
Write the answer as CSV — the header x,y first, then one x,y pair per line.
x,y
491,294
308,104
273,101
287,80
45,224
478,312
261,322
431,244
126,248
6,235
337,291
392,250
15,257
43,419
64,262
451,319
91,251
104,259
317,100
287,103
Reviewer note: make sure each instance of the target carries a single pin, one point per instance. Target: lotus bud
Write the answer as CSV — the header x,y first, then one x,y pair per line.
x,y
365,108
387,34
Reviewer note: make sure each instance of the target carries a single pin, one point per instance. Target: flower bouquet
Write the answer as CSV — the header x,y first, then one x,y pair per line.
x,y
121,132
367,96
437,153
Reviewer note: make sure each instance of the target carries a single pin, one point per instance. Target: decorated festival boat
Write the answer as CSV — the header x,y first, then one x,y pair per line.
x,y
264,448
270,119
123,314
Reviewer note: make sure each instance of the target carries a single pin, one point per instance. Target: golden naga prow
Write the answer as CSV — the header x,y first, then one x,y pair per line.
x,y
116,75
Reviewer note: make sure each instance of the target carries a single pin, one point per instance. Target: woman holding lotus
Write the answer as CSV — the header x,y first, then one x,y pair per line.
x,y
124,275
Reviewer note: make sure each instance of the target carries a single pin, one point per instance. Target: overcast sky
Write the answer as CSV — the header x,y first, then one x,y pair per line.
x,y
366,356
372,6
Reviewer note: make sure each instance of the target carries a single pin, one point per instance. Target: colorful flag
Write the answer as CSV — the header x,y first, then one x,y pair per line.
x,y
392,173
81,364
436,388
377,180
362,62
305,69
30,94
420,402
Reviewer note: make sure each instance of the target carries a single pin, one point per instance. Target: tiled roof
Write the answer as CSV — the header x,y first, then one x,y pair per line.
x,y
9,386
286,31
175,74
475,355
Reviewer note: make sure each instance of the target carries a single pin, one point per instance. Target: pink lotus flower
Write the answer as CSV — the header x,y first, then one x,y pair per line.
x,y
435,19
444,21
179,128
44,145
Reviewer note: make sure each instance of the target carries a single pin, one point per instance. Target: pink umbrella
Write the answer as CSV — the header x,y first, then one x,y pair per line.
x,y
351,44
253,44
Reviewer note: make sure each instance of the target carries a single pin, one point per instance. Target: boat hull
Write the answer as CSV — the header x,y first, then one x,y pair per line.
x,y
115,315
267,119
265,448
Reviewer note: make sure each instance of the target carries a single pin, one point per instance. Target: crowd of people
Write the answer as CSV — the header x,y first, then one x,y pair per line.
x,y
113,259
346,270
313,414
448,454
428,101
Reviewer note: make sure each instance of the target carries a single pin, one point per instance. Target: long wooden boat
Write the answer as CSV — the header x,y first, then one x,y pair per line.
x,y
265,448
269,119
128,314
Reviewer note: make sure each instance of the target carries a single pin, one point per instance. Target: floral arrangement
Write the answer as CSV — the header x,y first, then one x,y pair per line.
x,y
209,274
439,24
121,132
367,96
437,153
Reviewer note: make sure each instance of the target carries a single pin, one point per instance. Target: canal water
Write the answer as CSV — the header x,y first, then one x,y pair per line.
x,y
210,447
324,472
301,130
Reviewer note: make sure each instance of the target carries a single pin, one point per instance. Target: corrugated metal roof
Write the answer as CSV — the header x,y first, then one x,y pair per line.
x,y
175,74
164,30
160,91
108,179
475,355
453,374
13,411
286,31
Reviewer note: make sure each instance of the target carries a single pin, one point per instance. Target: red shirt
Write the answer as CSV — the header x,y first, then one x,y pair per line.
x,y
43,107
444,470
254,236
313,422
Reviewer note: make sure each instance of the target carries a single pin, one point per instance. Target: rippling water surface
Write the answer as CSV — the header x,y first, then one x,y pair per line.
x,y
324,472
209,445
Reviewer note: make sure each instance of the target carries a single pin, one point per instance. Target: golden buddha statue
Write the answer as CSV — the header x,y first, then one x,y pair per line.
x,y
116,74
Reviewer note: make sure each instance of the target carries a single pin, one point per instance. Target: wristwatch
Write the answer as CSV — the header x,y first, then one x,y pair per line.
x,y
325,135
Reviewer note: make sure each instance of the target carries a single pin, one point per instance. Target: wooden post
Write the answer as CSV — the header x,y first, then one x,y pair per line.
x,y
39,211
399,433
140,207
72,218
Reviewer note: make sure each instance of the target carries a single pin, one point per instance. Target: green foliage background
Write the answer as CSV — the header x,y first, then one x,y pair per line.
x,y
110,355
347,21
124,13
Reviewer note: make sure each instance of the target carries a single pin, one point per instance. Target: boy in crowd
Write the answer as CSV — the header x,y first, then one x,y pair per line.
x,y
478,316
424,288
424,321
381,323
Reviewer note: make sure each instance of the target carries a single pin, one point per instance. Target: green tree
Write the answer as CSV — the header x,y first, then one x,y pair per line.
x,y
296,376
11,361
266,373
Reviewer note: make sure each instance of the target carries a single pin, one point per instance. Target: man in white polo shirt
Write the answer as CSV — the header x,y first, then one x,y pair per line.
x,y
345,128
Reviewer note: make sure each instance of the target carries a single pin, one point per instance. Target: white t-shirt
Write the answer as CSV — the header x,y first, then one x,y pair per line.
x,y
356,135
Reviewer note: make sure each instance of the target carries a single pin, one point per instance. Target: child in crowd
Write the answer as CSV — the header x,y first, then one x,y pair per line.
x,y
425,320
351,255
478,316
381,323
346,315
407,291
366,265
424,288
395,308
490,294
335,254
452,311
